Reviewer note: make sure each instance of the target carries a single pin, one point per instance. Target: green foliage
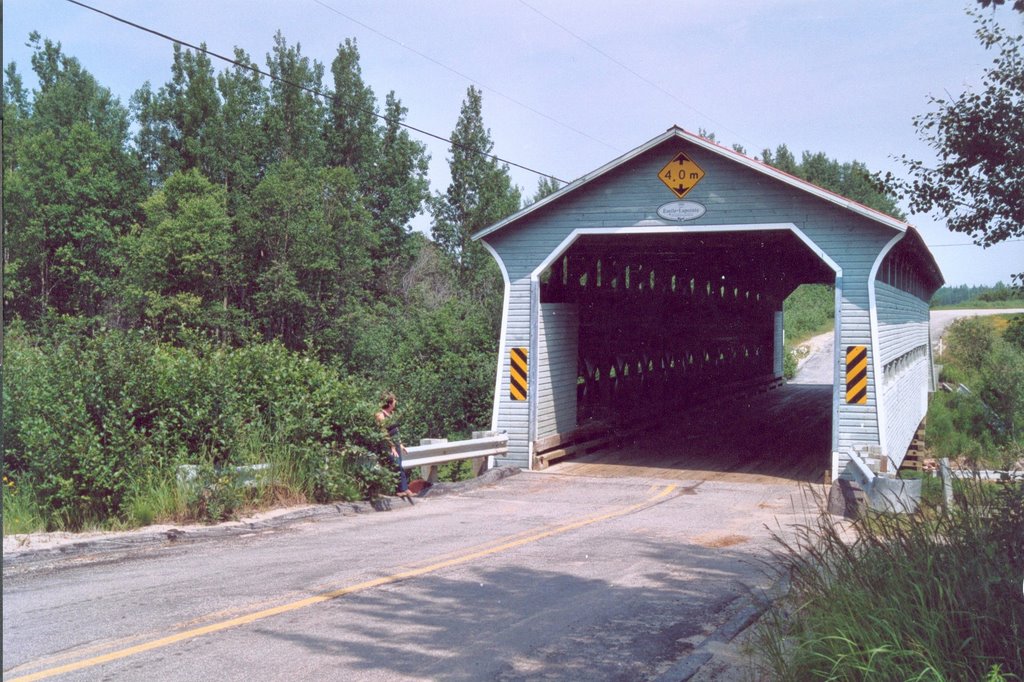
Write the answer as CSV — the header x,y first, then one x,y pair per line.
x,y
70,190
149,332
808,311
176,265
985,422
480,193
179,125
89,414
852,180
294,116
965,296
545,186
931,596
305,244
21,512
978,137
1014,334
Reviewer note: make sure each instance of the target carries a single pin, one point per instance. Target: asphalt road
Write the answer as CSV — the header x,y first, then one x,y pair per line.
x,y
634,564
632,573
816,368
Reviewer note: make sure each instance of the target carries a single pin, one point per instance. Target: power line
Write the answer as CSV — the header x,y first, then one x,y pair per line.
x,y
623,66
313,91
1005,241
462,75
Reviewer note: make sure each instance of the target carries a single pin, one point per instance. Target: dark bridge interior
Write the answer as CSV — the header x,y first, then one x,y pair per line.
x,y
676,318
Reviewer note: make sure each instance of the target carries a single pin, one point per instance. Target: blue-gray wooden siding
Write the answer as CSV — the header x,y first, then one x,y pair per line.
x,y
629,196
557,368
906,361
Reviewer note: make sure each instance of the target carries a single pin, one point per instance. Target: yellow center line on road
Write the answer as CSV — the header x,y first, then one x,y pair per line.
x,y
341,592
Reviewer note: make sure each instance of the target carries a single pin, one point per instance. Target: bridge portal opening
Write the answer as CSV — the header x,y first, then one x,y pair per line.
x,y
638,326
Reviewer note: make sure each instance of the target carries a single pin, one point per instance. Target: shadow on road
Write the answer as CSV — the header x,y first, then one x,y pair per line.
x,y
477,626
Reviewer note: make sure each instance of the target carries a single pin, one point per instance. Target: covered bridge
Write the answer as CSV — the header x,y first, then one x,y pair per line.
x,y
660,277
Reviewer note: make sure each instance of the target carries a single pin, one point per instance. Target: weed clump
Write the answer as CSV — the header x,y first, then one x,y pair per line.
x,y
932,596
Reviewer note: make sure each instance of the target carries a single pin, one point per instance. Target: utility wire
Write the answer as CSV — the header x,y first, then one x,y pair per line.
x,y
1005,241
623,66
462,75
313,91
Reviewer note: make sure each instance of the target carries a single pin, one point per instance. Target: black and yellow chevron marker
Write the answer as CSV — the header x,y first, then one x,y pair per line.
x,y
517,373
857,375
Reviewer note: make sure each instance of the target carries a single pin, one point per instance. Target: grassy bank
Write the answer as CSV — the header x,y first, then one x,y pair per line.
x,y
934,596
807,312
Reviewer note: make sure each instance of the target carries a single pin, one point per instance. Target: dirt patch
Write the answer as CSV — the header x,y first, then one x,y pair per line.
x,y
718,541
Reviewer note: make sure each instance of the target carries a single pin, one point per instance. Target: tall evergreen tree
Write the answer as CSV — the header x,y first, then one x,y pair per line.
x,y
481,191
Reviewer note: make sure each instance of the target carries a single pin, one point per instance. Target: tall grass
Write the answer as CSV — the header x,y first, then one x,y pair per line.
x,y
21,513
933,596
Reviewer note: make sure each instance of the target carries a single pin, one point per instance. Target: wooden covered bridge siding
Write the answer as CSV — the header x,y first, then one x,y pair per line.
x,y
904,343
616,305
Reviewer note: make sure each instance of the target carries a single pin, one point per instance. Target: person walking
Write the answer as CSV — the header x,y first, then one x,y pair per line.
x,y
389,424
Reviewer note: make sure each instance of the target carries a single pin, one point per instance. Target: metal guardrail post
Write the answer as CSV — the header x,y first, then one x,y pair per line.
x,y
428,472
947,482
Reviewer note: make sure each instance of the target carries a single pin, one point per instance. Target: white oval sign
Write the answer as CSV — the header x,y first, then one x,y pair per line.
x,y
681,210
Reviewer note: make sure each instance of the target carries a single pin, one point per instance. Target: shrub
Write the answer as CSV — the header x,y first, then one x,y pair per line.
x,y
809,310
92,415
1014,333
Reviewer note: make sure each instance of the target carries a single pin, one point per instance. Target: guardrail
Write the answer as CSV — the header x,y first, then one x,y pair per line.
x,y
433,451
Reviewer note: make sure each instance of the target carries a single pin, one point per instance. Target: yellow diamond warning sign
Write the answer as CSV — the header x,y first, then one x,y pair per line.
x,y
681,174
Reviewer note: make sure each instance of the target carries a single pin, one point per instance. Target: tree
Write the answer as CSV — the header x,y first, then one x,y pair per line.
x,y
852,180
178,260
243,150
351,130
782,159
305,243
545,185
390,166
480,193
399,186
294,115
977,184
178,125
70,189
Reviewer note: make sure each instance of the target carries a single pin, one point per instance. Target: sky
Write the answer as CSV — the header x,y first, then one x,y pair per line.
x,y
569,85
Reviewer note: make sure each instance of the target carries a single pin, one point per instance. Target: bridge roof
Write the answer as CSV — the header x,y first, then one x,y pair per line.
x,y
675,132
742,159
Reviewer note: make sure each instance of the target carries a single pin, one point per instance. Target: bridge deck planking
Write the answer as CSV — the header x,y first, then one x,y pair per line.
x,y
782,435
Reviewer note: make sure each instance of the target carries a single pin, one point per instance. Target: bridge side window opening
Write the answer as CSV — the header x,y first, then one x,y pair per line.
x,y
899,269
